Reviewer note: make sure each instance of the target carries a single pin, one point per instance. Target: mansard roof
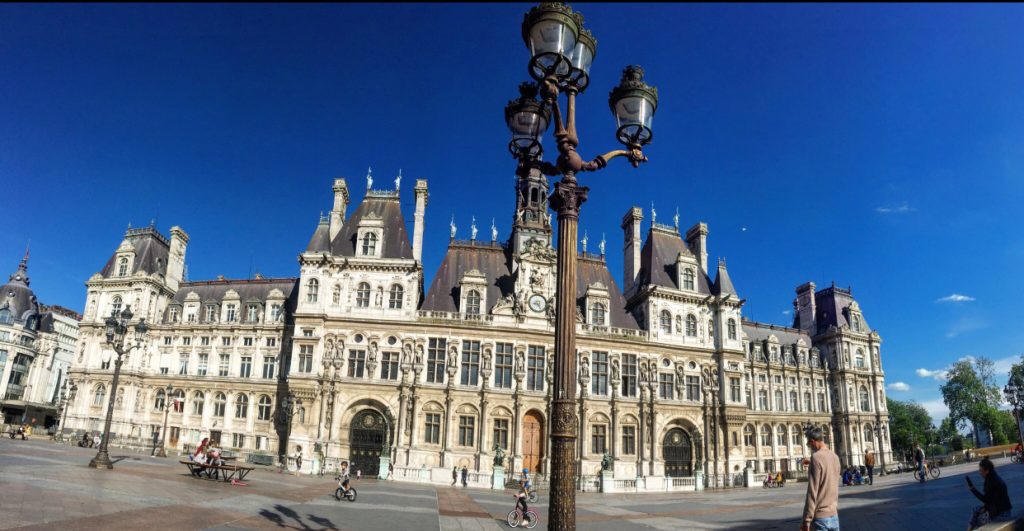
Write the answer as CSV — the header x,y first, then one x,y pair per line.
x,y
762,331
492,260
382,205
151,252
590,270
214,291
321,240
16,296
832,307
658,261
723,284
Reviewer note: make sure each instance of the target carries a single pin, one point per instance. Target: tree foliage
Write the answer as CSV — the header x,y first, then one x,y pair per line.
x,y
909,423
970,392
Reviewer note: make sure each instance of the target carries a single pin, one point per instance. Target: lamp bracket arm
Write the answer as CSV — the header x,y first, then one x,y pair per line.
x,y
635,156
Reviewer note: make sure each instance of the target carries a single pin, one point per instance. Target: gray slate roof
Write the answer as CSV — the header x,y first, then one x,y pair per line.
x,y
831,307
151,251
321,240
658,262
762,331
396,239
16,296
723,284
213,291
589,271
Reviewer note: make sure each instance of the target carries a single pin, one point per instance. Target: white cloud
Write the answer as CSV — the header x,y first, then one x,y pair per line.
x,y
964,325
939,374
901,209
898,386
787,312
956,297
937,409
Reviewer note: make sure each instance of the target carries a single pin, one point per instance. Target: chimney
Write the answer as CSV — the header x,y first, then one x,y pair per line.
x,y
631,248
804,308
697,239
421,207
176,260
340,204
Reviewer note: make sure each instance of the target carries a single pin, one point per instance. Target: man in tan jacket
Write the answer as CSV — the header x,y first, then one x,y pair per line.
x,y
821,506
869,462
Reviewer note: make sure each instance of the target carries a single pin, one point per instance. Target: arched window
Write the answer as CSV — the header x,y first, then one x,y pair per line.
x,y
311,289
781,437
219,404
666,322
688,278
858,359
122,267
793,405
241,406
779,405
762,399
5,316
363,295
597,312
766,435
865,399
797,435
336,295
856,323
748,435
115,306
99,395
178,401
263,409
396,296
869,434
732,329
369,244
160,401
473,302
691,326
197,403
827,432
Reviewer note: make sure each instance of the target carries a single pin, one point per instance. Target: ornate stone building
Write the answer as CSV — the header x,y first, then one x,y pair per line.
x,y
438,370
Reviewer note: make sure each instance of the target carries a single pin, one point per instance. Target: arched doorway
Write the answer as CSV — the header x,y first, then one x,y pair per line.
x,y
366,437
533,441
677,449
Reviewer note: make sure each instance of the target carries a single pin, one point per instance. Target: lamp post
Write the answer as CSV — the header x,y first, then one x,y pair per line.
x,y
881,447
117,330
561,52
161,451
65,399
287,412
1014,394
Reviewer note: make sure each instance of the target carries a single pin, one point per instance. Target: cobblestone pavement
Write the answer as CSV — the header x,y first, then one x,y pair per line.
x,y
48,486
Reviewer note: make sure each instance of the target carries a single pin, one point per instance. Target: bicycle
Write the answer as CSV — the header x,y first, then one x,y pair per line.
x,y
931,470
533,496
340,492
1015,458
516,516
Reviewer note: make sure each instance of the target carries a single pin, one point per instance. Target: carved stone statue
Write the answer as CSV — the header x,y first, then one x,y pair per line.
x,y
452,226
453,357
398,180
494,231
499,455
585,369
487,359
643,373
519,361
419,355
606,462
373,352
369,179
472,229
615,370
406,354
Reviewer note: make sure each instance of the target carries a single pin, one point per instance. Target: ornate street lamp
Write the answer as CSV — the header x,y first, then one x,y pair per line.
x,y
1014,394
881,447
67,395
161,450
117,330
561,53
287,411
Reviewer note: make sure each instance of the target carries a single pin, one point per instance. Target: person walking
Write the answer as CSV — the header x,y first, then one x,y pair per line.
x,y
156,440
391,470
455,475
869,462
465,476
298,460
821,505
919,461
996,498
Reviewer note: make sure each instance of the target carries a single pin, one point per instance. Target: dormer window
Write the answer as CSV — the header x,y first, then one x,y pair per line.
x,y
370,236
597,314
231,313
251,313
858,359
174,314
363,295
211,313
473,302
856,323
688,278
122,266
395,296
369,244
275,312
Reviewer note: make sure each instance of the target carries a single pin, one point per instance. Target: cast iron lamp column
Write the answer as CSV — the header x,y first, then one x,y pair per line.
x,y
117,329
561,53
1014,394
161,451
65,400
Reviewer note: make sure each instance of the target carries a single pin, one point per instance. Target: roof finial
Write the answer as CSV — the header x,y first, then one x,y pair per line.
x,y
398,180
494,232
369,178
721,262
584,242
675,219
654,214
452,226
601,245
472,229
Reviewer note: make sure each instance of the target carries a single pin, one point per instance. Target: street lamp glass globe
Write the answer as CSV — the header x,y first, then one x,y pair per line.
x,y
633,104
527,119
582,57
550,32
126,313
140,330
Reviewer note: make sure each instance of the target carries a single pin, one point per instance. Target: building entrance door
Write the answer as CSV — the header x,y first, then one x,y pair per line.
x,y
366,437
678,452
533,441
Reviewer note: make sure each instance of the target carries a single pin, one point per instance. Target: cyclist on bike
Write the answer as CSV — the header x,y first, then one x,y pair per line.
x,y
1019,450
919,460
343,483
524,492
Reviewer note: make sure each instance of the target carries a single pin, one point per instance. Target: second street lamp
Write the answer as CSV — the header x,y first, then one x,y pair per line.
x,y
162,449
1014,394
561,53
116,330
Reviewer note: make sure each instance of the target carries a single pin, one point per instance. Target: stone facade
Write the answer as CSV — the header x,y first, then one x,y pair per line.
x,y
672,379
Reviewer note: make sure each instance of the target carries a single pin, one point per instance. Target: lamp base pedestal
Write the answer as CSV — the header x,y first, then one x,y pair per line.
x,y
102,460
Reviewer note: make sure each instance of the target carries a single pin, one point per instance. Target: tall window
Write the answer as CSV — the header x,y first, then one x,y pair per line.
x,y
470,363
211,313
597,313
306,358
858,359
356,363
868,434
369,244
693,388
245,369
865,400
269,362
251,313
666,322
629,375
241,406
275,312
666,386
762,400
204,361
807,401
793,405
363,295
781,437
467,430
598,439
312,287
232,316
688,279
503,365
779,404
599,373
174,314
115,306
501,433
183,364
389,366
219,404
99,395
432,428
796,435
535,368
161,400
197,403
734,390
629,440
748,435
766,435
264,408
395,297
821,401
336,295
691,326
473,302
122,267
435,359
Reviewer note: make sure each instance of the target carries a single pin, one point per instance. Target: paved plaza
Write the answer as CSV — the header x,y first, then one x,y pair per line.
x,y
48,486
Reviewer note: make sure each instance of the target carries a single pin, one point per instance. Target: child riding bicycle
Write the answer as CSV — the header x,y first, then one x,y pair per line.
x,y
524,492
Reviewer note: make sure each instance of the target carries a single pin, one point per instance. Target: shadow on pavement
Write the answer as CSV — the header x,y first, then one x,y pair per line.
x,y
285,517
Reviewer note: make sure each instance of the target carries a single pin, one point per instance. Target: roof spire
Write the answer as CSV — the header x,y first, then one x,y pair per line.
x,y
654,214
369,178
453,227
494,232
675,219
584,242
398,180
601,245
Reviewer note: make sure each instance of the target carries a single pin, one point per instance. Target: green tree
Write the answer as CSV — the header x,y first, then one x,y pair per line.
x,y
970,393
909,423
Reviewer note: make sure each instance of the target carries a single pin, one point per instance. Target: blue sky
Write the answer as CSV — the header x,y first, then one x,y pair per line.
x,y
879,146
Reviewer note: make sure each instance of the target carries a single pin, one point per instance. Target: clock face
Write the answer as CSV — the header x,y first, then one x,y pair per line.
x,y
537,303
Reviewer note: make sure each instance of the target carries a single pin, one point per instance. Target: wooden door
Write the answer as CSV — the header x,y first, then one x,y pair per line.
x,y
533,441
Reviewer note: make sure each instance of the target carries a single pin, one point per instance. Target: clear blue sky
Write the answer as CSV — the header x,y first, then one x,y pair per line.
x,y
879,146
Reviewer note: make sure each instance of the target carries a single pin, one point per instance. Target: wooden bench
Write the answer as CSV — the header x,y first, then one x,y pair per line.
x,y
226,472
